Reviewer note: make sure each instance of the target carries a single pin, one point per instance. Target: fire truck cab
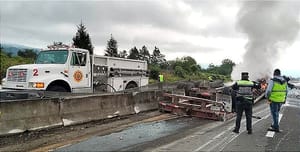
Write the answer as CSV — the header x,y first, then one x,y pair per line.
x,y
67,69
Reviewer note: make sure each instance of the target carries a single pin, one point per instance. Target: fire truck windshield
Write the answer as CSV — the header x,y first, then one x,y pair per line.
x,y
52,57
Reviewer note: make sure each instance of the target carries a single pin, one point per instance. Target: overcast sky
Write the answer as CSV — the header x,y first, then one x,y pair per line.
x,y
207,30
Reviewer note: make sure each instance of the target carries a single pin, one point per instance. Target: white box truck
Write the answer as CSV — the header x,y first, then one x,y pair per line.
x,y
67,69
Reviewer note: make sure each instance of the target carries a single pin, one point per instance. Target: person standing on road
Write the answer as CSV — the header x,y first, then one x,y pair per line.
x,y
160,81
243,90
161,78
276,94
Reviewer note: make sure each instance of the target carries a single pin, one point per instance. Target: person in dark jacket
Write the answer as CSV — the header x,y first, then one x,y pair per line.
x,y
244,99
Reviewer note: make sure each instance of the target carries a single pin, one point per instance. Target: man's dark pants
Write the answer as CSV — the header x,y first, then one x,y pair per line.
x,y
240,107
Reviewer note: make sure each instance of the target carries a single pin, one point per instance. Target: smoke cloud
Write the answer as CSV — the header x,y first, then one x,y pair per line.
x,y
271,26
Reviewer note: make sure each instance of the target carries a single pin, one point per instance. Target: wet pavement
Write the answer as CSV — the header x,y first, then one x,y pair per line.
x,y
194,134
138,134
263,140
289,138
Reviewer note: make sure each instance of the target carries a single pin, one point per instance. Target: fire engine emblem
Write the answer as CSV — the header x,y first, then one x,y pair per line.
x,y
78,76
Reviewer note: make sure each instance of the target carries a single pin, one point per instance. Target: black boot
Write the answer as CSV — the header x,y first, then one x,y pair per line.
x,y
250,131
235,131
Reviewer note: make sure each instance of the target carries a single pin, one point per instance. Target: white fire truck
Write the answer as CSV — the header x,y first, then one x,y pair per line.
x,y
66,69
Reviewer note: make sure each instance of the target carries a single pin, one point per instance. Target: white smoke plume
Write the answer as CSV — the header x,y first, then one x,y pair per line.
x,y
271,26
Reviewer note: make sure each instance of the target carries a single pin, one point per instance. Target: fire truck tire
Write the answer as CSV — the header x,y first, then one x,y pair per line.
x,y
57,88
131,85
100,88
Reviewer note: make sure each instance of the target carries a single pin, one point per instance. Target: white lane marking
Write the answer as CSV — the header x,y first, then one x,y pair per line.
x,y
276,147
254,122
210,141
229,138
271,134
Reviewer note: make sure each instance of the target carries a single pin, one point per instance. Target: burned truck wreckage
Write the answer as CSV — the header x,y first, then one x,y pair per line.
x,y
211,100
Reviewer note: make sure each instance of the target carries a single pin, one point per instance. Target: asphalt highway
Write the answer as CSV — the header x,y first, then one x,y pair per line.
x,y
194,134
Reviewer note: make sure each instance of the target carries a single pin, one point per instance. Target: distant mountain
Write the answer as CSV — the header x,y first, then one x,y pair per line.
x,y
15,48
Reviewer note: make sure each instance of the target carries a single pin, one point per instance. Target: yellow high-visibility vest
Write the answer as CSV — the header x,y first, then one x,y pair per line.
x,y
278,93
161,78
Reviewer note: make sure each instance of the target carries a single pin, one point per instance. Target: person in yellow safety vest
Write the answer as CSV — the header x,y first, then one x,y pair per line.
x,y
243,93
276,93
210,78
161,78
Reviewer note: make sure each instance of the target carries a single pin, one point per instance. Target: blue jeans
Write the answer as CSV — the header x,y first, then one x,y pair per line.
x,y
275,108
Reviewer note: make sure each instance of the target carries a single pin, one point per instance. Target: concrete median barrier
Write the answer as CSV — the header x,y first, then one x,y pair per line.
x,y
88,108
145,101
19,116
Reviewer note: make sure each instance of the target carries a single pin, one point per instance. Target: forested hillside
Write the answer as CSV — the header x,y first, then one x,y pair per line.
x,y
7,60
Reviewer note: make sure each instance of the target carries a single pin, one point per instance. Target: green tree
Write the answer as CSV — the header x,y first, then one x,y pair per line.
x,y
212,68
7,61
144,54
82,39
27,53
187,63
154,71
112,47
4,63
185,66
195,68
226,67
179,71
133,54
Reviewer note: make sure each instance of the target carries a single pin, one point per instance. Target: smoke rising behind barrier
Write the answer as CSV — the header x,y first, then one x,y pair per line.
x,y
271,27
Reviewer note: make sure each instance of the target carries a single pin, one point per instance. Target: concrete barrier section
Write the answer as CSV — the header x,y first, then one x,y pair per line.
x,y
84,109
19,116
145,101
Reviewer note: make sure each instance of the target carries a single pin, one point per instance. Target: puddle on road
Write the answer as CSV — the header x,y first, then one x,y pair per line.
x,y
134,135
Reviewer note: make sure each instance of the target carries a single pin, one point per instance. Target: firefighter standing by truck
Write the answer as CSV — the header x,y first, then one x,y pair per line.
x,y
244,101
161,78
160,81
276,94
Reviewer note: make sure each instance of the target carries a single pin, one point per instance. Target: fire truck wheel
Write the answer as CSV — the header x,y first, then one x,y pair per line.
x,y
57,88
100,88
131,85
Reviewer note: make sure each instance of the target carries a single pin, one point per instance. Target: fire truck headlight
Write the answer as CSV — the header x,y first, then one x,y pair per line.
x,y
3,81
39,85
36,84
